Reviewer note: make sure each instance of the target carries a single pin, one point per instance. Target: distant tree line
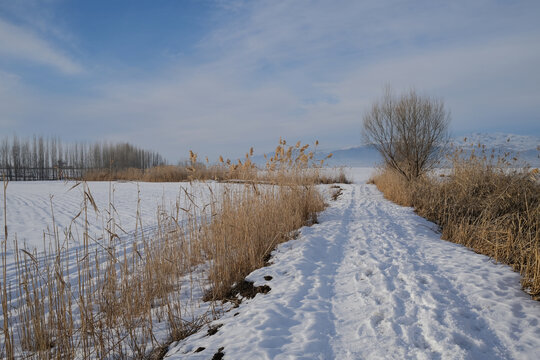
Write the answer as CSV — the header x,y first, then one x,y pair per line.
x,y
40,158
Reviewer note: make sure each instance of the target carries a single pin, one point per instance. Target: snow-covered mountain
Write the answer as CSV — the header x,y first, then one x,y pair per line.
x,y
509,142
357,156
524,147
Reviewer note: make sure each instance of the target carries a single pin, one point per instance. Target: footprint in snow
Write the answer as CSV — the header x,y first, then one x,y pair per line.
x,y
369,272
377,319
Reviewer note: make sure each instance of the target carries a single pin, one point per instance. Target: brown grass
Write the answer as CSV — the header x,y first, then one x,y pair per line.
x,y
250,225
394,187
122,290
164,173
484,204
336,176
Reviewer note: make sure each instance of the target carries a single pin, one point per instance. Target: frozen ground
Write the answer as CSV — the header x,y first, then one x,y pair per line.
x,y
374,281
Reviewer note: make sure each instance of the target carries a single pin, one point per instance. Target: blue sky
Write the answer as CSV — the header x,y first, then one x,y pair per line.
x,y
221,76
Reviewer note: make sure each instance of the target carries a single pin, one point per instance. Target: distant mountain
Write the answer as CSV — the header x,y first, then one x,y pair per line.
x,y
510,142
524,147
358,156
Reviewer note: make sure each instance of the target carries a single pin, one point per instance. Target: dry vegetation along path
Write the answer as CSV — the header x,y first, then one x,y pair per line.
x,y
374,280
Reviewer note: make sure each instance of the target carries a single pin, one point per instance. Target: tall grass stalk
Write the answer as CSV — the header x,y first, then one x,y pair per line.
x,y
7,332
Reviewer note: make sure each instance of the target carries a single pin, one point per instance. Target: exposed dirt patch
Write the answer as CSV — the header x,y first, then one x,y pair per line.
x,y
199,349
337,191
180,331
268,278
246,290
266,259
213,329
158,353
219,355
312,220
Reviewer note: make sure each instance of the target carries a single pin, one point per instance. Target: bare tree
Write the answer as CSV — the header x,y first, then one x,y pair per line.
x,y
50,158
409,131
41,158
16,156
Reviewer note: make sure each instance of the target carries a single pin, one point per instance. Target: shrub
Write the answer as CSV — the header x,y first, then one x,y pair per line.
x,y
408,132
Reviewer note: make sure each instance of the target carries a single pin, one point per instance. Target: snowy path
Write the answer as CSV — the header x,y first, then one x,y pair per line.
x,y
374,281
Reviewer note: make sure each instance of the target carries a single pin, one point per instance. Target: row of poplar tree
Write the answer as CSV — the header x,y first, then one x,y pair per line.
x,y
40,158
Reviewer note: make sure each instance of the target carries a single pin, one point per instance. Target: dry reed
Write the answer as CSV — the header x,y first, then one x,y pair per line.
x,y
251,223
486,203
288,162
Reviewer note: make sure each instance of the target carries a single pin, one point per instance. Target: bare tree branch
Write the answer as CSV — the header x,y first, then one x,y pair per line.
x,y
409,131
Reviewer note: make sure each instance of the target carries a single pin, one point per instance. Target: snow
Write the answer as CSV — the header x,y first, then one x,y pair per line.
x,y
373,280
29,205
509,142
525,148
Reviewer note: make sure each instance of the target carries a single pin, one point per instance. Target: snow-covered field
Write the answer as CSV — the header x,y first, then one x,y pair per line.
x,y
30,209
372,280
29,212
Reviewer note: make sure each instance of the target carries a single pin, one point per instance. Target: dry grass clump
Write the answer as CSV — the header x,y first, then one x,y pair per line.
x,y
113,175
185,171
250,224
162,173
103,299
299,164
334,177
393,185
165,173
484,204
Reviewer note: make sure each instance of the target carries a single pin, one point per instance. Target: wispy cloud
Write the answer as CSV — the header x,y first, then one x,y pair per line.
x,y
308,70
22,44
486,85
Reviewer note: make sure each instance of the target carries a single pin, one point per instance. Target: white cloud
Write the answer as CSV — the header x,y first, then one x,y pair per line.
x,y
308,70
19,43
484,85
